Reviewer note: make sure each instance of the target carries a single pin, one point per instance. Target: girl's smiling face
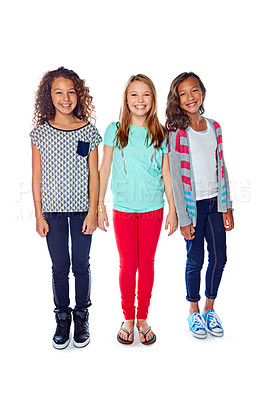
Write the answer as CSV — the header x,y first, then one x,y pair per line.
x,y
190,95
139,101
64,96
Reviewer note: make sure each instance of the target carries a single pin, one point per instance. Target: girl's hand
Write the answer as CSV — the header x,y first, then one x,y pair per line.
x,y
228,220
188,231
89,224
171,220
42,226
103,221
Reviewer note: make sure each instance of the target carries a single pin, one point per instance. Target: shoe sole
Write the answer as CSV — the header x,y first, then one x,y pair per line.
x,y
198,336
61,346
215,333
122,341
83,344
148,342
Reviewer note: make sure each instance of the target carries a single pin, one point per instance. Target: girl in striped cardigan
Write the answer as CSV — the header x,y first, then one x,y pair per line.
x,y
202,196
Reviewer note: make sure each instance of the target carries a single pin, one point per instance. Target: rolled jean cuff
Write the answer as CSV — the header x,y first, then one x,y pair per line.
x,y
210,297
193,300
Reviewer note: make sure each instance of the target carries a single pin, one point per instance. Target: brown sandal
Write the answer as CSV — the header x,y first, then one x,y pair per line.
x,y
123,341
149,341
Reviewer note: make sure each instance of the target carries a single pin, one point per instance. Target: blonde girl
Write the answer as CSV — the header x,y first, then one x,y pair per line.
x,y
136,148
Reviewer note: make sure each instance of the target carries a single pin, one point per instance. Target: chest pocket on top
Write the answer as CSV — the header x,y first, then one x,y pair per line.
x,y
83,148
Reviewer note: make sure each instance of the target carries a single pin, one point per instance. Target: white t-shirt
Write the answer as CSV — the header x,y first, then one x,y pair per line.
x,y
203,147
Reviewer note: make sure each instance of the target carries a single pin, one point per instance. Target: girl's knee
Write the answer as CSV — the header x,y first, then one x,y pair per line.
x,y
195,263
61,266
80,267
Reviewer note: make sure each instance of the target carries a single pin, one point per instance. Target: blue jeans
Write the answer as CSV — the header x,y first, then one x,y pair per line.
x,y
57,241
210,227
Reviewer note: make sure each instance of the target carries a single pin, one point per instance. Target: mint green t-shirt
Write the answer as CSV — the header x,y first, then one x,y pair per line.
x,y
137,183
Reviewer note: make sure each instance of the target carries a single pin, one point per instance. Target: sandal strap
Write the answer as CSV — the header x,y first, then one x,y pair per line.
x,y
144,333
125,330
148,330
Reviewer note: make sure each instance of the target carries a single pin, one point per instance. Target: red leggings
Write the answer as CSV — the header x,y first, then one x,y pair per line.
x,y
137,235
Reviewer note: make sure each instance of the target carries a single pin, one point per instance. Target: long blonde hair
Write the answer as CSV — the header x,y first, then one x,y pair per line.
x,y
156,132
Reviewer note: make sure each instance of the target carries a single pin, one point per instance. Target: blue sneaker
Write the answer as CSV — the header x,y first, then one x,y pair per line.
x,y
213,323
197,326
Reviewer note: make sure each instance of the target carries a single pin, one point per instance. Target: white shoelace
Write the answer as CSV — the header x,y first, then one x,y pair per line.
x,y
214,320
198,322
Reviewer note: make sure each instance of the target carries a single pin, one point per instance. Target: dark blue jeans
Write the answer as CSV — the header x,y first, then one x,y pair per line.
x,y
209,227
57,240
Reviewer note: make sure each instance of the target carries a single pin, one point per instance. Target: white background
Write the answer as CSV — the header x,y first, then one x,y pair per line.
x,y
105,43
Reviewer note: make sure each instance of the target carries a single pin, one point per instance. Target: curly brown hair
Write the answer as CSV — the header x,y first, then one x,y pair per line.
x,y
176,118
156,132
44,109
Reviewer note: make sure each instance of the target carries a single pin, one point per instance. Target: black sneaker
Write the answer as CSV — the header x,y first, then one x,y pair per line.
x,y
81,333
61,336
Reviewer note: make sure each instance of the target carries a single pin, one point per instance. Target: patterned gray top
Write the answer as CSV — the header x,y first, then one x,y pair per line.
x,y
64,162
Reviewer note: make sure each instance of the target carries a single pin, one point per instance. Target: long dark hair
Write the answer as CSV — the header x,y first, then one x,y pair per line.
x,y
44,109
176,118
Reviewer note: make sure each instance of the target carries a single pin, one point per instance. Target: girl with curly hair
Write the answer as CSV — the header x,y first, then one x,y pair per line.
x,y
65,192
202,196
136,146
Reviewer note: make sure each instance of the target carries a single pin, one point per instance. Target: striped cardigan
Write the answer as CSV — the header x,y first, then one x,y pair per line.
x,y
183,178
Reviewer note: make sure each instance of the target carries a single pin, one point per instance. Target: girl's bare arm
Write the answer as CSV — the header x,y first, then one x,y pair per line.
x,y
42,226
171,219
104,177
90,222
